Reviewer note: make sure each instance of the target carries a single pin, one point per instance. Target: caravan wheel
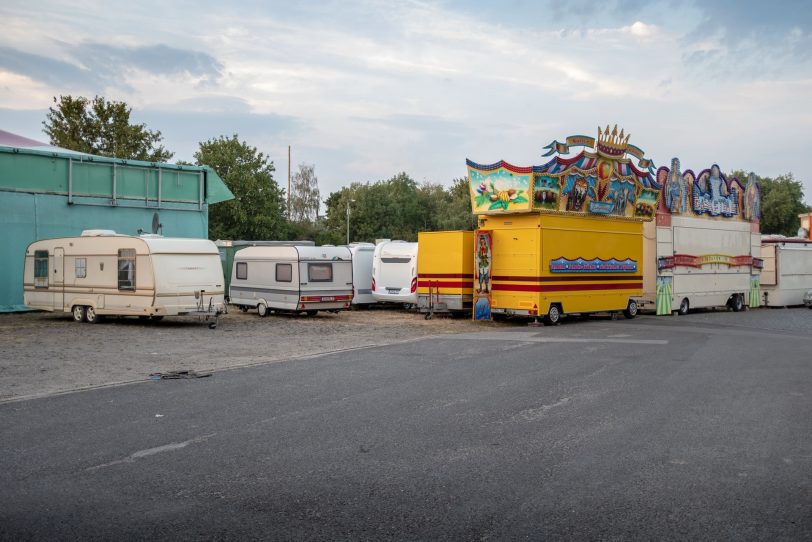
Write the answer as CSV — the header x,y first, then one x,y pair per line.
x,y
78,313
736,303
90,316
262,309
312,312
631,309
684,306
553,316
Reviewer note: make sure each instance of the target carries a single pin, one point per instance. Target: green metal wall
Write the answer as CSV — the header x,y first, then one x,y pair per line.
x,y
30,217
46,194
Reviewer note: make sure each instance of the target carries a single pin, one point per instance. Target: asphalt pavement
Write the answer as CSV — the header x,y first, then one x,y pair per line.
x,y
696,427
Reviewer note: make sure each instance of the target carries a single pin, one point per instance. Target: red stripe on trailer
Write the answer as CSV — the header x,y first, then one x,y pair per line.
x,y
565,287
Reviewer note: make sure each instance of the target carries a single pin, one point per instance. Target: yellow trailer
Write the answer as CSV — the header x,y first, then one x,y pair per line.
x,y
548,265
566,236
445,271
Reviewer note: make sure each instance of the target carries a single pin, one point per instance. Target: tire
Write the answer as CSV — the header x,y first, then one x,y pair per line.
x,y
243,308
90,316
684,307
312,312
736,303
262,309
78,313
157,318
631,309
553,316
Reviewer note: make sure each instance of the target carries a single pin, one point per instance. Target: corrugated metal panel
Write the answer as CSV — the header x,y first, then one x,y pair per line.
x,y
30,217
64,172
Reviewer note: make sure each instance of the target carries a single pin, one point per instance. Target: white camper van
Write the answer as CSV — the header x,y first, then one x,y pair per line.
x,y
394,272
292,279
103,273
787,273
362,256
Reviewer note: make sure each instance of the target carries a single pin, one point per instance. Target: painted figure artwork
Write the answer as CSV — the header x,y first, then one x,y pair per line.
x,y
482,290
674,191
545,192
577,194
713,196
621,196
752,199
483,262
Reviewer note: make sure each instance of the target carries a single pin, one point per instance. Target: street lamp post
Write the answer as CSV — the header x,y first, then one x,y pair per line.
x,y
348,219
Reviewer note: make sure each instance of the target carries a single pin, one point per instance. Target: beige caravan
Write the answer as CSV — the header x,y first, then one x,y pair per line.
x,y
102,273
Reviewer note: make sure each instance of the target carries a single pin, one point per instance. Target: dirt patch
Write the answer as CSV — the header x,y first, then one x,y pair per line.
x,y
46,353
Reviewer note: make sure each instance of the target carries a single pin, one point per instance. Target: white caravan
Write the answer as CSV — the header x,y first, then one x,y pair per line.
x,y
103,273
362,256
292,279
394,272
787,272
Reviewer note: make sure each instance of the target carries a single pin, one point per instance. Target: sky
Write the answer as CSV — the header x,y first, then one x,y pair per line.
x,y
367,89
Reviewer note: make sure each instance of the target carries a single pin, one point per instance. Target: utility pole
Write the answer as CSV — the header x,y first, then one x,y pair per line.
x,y
288,183
348,219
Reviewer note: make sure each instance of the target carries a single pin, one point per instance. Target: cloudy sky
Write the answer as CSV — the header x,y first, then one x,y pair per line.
x,y
366,89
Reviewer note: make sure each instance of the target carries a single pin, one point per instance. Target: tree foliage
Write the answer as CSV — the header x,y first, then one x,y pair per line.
x,y
257,210
397,208
102,127
305,199
782,200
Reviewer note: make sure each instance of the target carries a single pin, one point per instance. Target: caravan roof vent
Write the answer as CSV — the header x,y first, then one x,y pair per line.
x,y
97,233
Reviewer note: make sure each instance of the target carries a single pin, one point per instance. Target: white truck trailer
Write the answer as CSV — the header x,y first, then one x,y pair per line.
x,y
704,248
787,273
102,273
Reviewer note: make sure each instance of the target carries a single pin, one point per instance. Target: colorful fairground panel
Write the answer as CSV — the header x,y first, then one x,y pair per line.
x,y
709,194
600,180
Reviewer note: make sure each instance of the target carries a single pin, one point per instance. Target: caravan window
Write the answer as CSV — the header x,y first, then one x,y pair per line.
x,y
284,272
320,272
126,269
41,269
242,270
81,268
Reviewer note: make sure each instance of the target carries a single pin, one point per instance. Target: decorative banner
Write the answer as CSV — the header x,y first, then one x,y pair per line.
x,y
602,181
664,296
483,260
686,260
755,292
596,265
571,141
710,193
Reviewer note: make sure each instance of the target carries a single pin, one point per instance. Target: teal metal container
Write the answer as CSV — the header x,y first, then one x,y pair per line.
x,y
46,194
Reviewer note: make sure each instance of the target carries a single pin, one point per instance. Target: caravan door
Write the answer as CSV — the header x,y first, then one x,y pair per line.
x,y
58,275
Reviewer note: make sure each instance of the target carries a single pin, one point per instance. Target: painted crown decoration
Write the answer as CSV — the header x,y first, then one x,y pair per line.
x,y
612,145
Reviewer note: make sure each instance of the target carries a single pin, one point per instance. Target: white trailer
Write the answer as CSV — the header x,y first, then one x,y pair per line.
x,y
394,272
102,273
292,279
362,256
787,272
703,262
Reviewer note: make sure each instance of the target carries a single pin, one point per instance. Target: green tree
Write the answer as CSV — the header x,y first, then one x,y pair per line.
x,y
782,200
102,127
397,208
257,210
304,197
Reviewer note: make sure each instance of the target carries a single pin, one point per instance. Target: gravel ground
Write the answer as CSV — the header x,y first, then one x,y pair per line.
x,y
45,353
